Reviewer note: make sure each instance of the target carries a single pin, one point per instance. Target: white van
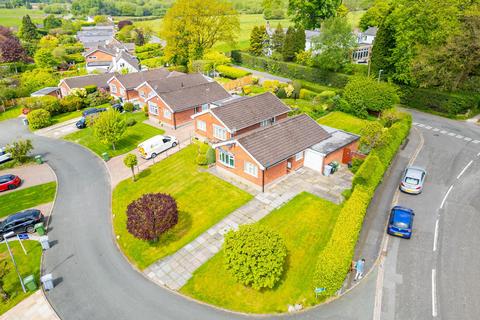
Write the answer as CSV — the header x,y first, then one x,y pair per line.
x,y
152,147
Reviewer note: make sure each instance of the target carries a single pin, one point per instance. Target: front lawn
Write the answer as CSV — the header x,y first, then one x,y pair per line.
x,y
202,199
314,110
344,122
27,265
66,116
132,137
305,223
10,113
15,201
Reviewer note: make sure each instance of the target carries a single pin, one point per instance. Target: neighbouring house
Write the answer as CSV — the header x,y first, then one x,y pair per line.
x,y
98,80
110,58
235,116
262,156
47,91
173,100
123,86
101,34
365,40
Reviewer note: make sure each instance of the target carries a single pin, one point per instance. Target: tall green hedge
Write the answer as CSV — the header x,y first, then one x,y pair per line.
x,y
446,103
335,259
290,70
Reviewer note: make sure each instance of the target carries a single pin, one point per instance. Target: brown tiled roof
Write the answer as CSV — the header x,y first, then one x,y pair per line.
x,y
186,98
177,81
242,113
100,80
283,140
134,79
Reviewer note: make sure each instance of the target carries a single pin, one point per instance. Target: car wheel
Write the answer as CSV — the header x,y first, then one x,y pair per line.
x,y
174,144
153,155
11,187
30,229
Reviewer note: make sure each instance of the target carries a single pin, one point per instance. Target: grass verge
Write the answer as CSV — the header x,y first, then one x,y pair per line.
x,y
305,223
27,265
27,198
10,113
202,200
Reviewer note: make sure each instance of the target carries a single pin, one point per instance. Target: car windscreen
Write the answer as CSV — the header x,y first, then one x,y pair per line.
x,y
413,181
400,225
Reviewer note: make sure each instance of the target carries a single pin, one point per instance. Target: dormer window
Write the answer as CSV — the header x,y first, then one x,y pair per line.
x,y
268,122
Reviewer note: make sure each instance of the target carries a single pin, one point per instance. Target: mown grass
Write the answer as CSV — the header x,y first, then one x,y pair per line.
x,y
59,118
344,122
10,113
132,137
27,265
314,110
305,223
202,200
13,17
15,201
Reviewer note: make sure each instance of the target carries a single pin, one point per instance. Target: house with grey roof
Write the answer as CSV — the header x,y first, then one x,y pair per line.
x,y
66,85
102,34
114,57
47,91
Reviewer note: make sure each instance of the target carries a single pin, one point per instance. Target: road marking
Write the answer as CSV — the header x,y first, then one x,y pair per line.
x,y
443,131
446,195
428,127
434,297
436,129
478,154
421,125
451,134
465,169
467,139
475,141
435,237
459,136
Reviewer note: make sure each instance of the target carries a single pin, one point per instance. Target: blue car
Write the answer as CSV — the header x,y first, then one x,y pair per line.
x,y
400,223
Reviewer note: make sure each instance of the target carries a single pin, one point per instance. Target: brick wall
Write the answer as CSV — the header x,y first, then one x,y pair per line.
x,y
100,56
210,120
183,117
338,155
161,107
119,87
240,157
64,89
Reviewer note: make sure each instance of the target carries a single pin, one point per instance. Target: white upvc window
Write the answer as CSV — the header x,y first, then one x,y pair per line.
x,y
299,156
226,159
205,107
267,122
122,91
219,132
250,168
201,125
167,114
113,88
142,94
152,108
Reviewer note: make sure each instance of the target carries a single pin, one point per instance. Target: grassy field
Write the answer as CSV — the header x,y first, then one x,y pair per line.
x,y
132,137
27,265
13,17
354,17
66,116
343,121
305,223
26,198
202,199
10,113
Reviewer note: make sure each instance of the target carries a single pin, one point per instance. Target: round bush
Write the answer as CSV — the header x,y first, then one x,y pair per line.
x,y
130,122
151,215
39,118
255,256
128,106
201,159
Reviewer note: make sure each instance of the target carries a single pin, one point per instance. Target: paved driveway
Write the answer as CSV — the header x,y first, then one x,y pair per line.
x,y
31,175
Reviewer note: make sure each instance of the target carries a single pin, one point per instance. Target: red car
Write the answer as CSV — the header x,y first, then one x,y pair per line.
x,y
9,182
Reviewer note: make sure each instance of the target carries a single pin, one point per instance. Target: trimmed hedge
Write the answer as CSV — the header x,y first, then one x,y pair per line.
x,y
290,70
39,118
232,72
445,103
307,94
334,261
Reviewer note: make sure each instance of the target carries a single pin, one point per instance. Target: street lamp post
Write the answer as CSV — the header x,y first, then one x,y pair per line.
x,y
6,236
379,74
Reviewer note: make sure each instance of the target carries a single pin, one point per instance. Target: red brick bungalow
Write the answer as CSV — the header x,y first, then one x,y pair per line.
x,y
98,80
174,100
238,115
264,155
123,86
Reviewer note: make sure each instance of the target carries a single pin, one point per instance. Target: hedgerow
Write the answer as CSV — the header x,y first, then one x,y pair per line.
x,y
232,72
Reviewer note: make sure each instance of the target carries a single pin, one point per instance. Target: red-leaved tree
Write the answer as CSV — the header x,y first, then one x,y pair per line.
x,y
151,215
11,49
124,23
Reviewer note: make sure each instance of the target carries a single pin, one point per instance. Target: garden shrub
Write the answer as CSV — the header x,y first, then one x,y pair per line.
x,y
271,85
148,47
246,90
326,95
97,98
20,150
71,103
154,62
48,103
130,122
370,172
91,88
307,94
128,106
179,68
281,94
211,157
255,256
232,72
201,159
39,118
356,163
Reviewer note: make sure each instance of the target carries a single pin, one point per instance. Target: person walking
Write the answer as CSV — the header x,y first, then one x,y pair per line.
x,y
359,266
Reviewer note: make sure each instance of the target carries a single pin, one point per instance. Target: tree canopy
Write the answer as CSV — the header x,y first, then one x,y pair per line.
x,y
28,31
109,127
310,13
191,27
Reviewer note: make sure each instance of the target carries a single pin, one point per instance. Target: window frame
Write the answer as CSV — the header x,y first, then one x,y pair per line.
x,y
226,158
167,114
152,105
299,156
113,88
202,127
217,127
248,166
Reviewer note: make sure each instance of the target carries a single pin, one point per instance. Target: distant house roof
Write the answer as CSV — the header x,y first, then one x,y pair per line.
x,y
102,48
241,113
44,91
99,64
177,81
131,60
186,98
338,140
309,34
134,79
371,31
282,140
99,80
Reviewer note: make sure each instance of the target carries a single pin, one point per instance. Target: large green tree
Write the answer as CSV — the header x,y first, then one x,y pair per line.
x,y
375,15
191,27
44,58
52,22
258,40
310,13
335,44
273,9
294,43
28,31
278,38
109,127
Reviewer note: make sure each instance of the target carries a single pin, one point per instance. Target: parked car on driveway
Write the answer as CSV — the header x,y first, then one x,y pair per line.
x,y
117,107
21,222
91,111
154,146
400,223
4,156
412,180
88,114
9,182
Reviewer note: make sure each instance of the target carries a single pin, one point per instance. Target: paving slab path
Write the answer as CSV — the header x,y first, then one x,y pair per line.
x,y
35,307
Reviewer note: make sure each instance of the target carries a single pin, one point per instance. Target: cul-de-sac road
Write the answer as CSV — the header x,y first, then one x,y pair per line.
x,y
433,275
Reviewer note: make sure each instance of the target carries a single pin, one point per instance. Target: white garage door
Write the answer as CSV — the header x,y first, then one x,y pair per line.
x,y
313,160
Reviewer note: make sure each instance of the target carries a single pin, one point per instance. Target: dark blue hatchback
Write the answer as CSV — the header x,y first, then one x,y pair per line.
x,y
400,223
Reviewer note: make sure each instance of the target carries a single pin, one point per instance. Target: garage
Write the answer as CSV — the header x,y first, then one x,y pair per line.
x,y
313,160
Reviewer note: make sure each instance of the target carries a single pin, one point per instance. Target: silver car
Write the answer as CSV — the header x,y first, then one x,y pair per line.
x,y
412,180
4,156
